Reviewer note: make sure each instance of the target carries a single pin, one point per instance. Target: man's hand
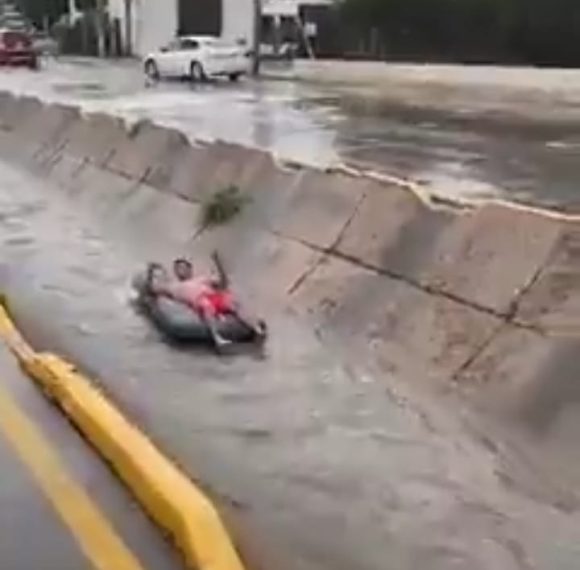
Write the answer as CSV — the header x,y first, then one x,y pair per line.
x,y
223,277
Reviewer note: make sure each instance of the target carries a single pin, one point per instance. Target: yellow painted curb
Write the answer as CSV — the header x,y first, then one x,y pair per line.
x,y
169,497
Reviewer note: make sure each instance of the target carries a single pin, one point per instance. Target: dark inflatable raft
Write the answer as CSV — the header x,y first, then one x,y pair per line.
x,y
180,323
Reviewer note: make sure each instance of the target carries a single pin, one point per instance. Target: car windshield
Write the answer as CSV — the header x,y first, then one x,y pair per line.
x,y
171,46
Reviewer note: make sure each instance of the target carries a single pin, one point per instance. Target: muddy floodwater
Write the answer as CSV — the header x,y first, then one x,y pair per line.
x,y
318,460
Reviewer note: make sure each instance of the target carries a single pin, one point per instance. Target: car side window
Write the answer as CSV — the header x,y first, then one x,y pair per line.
x,y
173,45
188,44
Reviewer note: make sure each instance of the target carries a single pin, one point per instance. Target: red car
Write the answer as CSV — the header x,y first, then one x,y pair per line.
x,y
16,49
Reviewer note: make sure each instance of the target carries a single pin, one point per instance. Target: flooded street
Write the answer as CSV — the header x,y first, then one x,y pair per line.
x,y
307,124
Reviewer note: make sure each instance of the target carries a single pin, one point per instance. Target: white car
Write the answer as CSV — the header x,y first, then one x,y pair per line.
x,y
197,57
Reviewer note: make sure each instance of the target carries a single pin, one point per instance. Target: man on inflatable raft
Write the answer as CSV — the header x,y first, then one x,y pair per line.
x,y
211,311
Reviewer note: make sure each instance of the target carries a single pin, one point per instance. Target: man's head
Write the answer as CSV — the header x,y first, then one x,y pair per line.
x,y
183,269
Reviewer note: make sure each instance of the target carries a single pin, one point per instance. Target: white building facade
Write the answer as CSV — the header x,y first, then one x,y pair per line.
x,y
153,23
289,8
238,20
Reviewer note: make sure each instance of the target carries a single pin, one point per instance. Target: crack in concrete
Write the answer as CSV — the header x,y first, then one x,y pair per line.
x,y
510,319
519,297
310,270
433,291
478,351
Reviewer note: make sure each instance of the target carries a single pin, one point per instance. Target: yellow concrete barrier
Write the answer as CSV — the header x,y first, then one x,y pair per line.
x,y
169,497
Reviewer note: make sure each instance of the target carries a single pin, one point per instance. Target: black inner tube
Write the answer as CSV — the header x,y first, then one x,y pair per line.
x,y
181,323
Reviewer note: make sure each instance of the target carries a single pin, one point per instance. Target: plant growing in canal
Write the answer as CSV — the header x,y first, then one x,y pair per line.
x,y
222,206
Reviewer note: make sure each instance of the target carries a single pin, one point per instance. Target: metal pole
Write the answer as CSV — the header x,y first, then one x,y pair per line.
x,y
128,27
305,38
100,27
277,33
257,37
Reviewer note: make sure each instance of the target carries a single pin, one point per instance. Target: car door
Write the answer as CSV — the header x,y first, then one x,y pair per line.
x,y
206,56
230,57
216,57
189,51
238,60
165,59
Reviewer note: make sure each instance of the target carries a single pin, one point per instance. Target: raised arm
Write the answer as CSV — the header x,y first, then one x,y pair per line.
x,y
223,279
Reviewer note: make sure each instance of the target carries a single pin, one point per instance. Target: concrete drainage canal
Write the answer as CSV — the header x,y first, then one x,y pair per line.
x,y
416,405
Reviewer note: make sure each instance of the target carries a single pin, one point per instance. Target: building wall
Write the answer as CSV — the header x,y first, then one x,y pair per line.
x,y
154,22
238,20
116,9
291,7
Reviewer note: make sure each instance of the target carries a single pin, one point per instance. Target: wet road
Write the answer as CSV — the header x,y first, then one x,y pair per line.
x,y
319,462
60,507
535,166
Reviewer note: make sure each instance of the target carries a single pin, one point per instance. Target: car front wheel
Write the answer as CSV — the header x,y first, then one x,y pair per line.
x,y
196,72
151,70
